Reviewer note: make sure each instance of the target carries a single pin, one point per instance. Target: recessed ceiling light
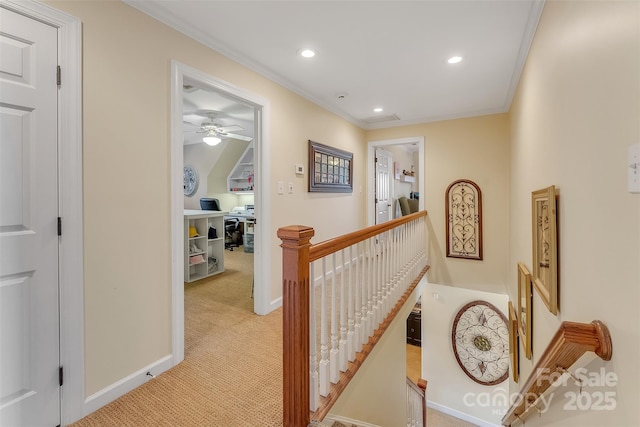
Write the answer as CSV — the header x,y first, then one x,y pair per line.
x,y
454,59
307,53
377,110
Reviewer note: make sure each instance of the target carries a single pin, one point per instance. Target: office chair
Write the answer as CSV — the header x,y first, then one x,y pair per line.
x,y
231,226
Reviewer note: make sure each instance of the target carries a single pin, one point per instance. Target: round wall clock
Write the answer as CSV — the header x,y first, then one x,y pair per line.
x,y
480,338
191,180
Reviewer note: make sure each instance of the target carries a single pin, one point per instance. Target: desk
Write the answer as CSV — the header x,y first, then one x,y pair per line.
x,y
246,229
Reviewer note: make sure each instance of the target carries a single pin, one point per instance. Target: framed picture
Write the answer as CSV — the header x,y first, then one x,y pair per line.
x,y
330,169
545,249
514,350
524,308
463,206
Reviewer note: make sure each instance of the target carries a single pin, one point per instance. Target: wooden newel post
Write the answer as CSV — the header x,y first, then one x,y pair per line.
x,y
295,319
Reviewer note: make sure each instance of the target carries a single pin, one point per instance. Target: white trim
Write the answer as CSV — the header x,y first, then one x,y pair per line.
x,y
126,384
345,420
70,201
460,415
532,24
262,258
371,170
275,304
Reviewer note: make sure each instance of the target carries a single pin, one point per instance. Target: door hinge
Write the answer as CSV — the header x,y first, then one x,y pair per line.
x,y
59,226
58,76
60,376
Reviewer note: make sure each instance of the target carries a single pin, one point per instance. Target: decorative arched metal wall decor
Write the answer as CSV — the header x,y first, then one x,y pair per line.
x,y
464,220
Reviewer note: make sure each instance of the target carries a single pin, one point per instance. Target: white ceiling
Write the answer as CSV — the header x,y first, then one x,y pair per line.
x,y
389,54
202,104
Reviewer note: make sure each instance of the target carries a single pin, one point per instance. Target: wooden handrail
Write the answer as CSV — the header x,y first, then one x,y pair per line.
x,y
330,246
569,343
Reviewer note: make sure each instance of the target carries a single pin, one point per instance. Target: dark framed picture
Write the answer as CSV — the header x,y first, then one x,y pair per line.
x,y
330,169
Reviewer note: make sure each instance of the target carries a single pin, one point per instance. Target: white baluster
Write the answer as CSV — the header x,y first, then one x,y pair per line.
x,y
358,294
383,279
364,278
342,349
405,260
387,275
370,289
378,297
351,333
324,348
334,322
314,386
392,271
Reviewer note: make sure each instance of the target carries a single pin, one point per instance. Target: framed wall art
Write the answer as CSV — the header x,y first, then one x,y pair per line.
x,y
545,249
480,340
330,169
514,350
524,308
463,206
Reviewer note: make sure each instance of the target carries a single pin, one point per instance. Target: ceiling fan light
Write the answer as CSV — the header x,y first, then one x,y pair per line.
x,y
211,140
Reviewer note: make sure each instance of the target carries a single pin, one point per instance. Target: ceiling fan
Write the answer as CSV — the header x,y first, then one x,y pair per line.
x,y
215,132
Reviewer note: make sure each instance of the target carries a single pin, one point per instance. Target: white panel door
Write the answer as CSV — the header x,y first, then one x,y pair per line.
x,y
384,166
29,308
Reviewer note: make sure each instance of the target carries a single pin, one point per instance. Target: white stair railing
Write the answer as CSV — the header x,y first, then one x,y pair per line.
x,y
341,294
383,265
416,405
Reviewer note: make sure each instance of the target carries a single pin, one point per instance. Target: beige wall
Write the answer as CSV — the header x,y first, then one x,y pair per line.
x,y
220,170
126,116
450,390
576,112
475,149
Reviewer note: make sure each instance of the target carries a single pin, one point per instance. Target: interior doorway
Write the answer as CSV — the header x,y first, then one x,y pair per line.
x,y
414,144
185,77
219,169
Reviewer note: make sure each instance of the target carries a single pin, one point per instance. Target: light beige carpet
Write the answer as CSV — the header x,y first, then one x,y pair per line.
x,y
232,372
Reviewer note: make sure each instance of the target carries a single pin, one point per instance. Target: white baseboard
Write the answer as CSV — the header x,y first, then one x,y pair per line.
x,y
460,415
125,385
275,304
346,420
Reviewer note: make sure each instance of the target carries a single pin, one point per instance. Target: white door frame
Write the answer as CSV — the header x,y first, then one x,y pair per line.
x,y
69,201
262,256
371,171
